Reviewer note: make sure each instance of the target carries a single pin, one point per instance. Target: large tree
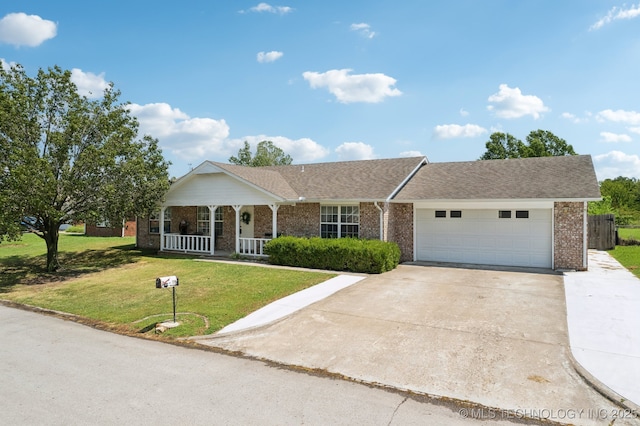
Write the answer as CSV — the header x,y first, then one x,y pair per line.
x,y
65,157
267,154
540,143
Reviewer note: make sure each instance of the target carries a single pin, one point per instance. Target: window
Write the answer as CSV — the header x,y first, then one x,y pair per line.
x,y
455,213
218,219
522,214
504,214
339,221
203,226
441,213
154,221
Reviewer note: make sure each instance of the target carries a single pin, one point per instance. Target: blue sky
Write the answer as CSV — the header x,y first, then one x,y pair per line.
x,y
345,80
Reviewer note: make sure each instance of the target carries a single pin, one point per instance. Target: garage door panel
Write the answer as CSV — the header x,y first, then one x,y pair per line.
x,y
481,237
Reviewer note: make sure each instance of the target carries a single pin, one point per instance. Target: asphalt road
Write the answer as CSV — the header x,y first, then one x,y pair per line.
x,y
58,372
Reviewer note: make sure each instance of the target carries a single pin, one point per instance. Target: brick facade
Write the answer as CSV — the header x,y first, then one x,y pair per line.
x,y
129,230
400,230
303,220
568,236
369,221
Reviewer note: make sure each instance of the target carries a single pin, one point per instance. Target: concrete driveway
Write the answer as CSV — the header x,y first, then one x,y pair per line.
x,y
494,337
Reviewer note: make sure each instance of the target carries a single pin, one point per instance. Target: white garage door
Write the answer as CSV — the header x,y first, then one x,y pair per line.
x,y
487,237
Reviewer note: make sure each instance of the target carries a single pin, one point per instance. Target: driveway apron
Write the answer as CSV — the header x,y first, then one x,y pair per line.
x,y
494,337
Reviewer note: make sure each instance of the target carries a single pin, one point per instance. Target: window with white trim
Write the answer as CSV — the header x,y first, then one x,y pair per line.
x,y
203,225
218,220
154,221
339,221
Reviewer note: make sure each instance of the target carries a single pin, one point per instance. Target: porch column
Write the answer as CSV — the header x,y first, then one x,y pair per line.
x,y
161,225
237,209
274,220
212,228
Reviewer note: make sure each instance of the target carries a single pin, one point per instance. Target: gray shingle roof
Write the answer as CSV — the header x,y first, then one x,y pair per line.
x,y
568,177
343,180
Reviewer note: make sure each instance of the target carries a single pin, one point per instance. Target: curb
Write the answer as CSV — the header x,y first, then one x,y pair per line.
x,y
601,388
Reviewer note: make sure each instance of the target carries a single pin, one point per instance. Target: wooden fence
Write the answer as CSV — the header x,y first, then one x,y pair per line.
x,y
602,232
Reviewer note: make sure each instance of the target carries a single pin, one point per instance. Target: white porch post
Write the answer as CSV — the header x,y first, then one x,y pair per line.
x,y
274,220
212,228
237,209
161,225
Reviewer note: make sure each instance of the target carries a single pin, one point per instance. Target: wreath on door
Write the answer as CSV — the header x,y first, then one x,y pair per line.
x,y
245,217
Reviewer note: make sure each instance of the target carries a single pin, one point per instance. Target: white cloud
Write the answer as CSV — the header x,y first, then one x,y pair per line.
x,y
614,137
573,118
619,116
355,151
89,84
186,137
511,103
616,13
616,163
363,29
201,138
347,88
411,154
463,112
265,7
450,131
21,29
634,130
263,57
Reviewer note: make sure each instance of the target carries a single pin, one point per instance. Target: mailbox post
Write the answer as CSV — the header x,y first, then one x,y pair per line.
x,y
169,282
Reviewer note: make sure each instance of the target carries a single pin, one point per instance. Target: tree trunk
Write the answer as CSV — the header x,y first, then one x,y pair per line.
x,y
51,237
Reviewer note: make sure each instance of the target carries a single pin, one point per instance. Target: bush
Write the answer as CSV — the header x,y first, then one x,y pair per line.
x,y
339,254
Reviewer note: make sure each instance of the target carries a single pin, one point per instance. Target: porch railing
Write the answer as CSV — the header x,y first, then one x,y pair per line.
x,y
187,243
253,246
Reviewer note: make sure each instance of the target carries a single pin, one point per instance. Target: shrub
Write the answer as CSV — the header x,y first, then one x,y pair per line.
x,y
341,254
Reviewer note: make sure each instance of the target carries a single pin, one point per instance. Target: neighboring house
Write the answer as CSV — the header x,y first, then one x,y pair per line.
x,y
104,229
518,212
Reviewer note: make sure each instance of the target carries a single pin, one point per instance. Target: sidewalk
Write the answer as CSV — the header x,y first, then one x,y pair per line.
x,y
603,315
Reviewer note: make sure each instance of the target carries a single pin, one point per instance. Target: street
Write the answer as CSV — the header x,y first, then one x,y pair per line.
x,y
58,372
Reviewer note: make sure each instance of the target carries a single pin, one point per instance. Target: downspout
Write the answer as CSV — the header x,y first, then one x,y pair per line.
x,y
375,203
585,237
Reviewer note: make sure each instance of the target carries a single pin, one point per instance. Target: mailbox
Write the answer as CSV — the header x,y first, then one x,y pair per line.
x,y
166,282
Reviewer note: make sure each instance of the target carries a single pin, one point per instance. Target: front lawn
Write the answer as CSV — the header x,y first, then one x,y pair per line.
x,y
109,281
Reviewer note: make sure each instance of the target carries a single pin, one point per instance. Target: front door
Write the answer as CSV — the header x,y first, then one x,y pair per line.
x,y
246,215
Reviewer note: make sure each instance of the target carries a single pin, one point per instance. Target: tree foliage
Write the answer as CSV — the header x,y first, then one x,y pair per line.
x,y
267,154
64,157
539,143
621,196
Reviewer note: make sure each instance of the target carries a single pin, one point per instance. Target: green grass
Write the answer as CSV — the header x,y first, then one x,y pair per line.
x,y
107,280
628,233
629,257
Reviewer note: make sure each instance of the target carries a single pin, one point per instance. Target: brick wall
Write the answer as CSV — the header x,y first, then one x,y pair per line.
x,y
569,235
401,228
369,221
301,220
145,240
102,231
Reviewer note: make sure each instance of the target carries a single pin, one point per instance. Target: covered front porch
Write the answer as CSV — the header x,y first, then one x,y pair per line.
x,y
217,230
